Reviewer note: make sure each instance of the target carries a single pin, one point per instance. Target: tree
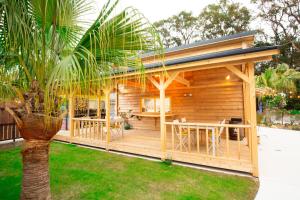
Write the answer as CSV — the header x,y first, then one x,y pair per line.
x,y
277,102
49,51
223,18
178,30
277,83
283,17
280,79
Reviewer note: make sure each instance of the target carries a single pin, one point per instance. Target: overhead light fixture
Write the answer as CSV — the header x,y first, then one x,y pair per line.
x,y
227,77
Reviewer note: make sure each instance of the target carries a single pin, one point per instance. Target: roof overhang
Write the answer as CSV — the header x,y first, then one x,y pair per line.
x,y
207,61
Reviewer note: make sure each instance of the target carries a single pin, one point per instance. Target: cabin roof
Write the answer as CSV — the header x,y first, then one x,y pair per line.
x,y
208,56
203,43
183,52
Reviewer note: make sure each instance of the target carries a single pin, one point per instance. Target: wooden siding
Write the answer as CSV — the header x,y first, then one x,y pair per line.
x,y
213,98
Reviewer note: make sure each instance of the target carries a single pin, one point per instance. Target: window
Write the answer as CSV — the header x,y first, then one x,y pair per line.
x,y
153,104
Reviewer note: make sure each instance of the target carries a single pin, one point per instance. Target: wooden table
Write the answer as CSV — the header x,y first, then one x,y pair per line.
x,y
153,115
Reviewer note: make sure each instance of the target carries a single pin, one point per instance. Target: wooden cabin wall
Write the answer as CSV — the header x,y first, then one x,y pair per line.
x,y
208,103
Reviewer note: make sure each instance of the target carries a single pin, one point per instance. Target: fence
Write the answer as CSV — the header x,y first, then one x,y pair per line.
x,y
9,132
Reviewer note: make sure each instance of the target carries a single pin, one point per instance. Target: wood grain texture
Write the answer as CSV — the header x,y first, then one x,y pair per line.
x,y
223,101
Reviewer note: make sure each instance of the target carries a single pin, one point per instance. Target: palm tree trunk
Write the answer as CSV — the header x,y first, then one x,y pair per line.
x,y
37,131
35,183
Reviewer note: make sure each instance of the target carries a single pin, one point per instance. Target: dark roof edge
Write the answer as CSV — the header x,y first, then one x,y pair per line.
x,y
203,42
209,56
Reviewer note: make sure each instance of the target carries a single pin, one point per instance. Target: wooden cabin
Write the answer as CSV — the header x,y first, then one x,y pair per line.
x,y
197,106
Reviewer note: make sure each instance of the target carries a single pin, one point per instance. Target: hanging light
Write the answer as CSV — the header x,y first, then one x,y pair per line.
x,y
227,77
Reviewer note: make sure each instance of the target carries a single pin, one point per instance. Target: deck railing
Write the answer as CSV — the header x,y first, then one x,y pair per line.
x,y
9,132
208,139
96,128
89,128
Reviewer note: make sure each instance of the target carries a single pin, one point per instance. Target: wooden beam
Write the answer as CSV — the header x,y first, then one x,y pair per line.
x,y
216,85
237,72
153,81
213,63
162,115
172,76
99,107
107,116
203,49
246,99
183,81
252,99
71,115
195,67
117,100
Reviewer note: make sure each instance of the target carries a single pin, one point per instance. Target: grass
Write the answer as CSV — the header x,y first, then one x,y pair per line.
x,y
81,173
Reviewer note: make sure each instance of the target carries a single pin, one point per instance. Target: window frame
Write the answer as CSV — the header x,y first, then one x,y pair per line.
x,y
155,98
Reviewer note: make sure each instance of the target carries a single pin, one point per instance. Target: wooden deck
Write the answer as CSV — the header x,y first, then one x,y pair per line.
x,y
148,143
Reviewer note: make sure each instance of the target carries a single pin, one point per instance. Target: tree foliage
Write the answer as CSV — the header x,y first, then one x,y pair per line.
x,y
283,18
279,79
215,20
49,48
178,29
223,18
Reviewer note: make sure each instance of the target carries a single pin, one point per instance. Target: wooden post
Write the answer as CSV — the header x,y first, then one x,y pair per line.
x,y
162,86
246,103
117,101
162,114
99,107
107,116
71,115
254,155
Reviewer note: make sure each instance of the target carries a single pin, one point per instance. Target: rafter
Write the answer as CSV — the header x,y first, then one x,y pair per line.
x,y
237,72
183,81
153,81
171,78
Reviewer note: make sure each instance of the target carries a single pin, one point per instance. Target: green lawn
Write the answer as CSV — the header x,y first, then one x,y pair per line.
x,y
80,173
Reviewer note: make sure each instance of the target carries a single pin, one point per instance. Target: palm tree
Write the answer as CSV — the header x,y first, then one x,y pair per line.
x,y
49,50
279,79
265,81
286,78
276,83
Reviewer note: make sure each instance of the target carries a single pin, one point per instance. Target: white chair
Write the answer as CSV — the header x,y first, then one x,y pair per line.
x,y
221,130
182,136
193,131
215,140
116,127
